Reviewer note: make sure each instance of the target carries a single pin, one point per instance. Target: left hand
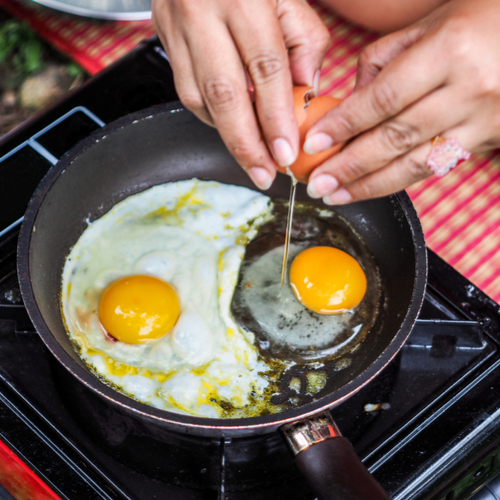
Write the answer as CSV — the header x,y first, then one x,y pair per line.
x,y
440,76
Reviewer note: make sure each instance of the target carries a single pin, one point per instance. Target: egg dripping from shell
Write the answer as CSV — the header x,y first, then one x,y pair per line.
x,y
307,330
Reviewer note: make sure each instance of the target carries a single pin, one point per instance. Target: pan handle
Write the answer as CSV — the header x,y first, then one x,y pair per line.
x,y
328,461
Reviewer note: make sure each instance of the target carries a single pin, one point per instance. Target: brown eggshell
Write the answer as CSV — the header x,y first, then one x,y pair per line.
x,y
298,103
318,106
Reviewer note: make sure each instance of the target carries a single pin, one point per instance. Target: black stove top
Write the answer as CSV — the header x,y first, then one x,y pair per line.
x,y
428,427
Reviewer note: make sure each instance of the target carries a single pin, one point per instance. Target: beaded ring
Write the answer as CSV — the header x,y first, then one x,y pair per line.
x,y
445,155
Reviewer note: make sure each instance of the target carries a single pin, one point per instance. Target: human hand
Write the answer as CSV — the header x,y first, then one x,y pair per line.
x,y
440,76
217,48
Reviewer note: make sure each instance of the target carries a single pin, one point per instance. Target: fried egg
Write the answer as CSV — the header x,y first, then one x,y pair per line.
x,y
326,304
174,248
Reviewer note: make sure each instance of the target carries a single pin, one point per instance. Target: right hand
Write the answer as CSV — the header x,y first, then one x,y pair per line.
x,y
217,48
440,76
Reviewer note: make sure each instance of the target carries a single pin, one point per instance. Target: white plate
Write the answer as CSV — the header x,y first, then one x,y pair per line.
x,y
124,10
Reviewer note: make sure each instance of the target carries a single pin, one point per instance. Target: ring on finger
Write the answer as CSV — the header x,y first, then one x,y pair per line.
x,y
445,155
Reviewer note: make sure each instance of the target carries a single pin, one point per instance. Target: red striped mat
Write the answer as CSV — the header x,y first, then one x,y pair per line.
x,y
460,213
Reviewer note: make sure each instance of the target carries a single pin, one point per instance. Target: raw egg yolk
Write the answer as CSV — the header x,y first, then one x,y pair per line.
x,y
327,280
306,118
139,309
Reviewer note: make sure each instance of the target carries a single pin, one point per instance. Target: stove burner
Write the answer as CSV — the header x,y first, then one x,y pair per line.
x,y
428,427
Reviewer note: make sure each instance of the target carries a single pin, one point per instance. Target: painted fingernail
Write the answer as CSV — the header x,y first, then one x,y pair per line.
x,y
317,143
283,152
340,197
316,78
260,177
321,185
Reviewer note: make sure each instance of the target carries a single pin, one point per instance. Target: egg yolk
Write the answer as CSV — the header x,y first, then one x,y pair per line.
x,y
327,280
139,309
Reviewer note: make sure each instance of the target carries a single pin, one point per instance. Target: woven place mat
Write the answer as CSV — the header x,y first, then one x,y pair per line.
x,y
460,213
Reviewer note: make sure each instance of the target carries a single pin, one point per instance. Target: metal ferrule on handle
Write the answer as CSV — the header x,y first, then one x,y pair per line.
x,y
303,434
330,466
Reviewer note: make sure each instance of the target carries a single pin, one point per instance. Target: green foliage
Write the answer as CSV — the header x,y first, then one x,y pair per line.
x,y
20,48
74,70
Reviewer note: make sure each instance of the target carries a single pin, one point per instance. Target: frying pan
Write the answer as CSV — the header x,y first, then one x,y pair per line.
x,y
167,143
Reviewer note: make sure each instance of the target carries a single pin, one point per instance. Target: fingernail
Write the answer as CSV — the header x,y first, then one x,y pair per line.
x,y
283,152
340,197
316,78
321,185
317,143
260,177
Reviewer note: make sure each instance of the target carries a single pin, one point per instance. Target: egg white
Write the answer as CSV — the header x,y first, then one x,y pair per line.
x,y
191,234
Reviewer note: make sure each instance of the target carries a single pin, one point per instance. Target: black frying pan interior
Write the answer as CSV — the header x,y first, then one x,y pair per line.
x,y
167,144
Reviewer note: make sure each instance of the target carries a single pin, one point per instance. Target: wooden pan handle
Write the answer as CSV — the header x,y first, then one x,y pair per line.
x,y
328,461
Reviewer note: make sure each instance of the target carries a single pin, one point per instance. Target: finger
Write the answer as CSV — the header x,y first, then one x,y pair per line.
x,y
387,95
186,86
399,174
180,61
395,137
381,52
159,20
263,51
396,176
306,38
222,83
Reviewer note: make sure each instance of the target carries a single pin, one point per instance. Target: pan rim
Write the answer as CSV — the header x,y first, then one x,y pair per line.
x,y
180,422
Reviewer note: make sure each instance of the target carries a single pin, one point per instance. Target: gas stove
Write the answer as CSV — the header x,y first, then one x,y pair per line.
x,y
428,427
